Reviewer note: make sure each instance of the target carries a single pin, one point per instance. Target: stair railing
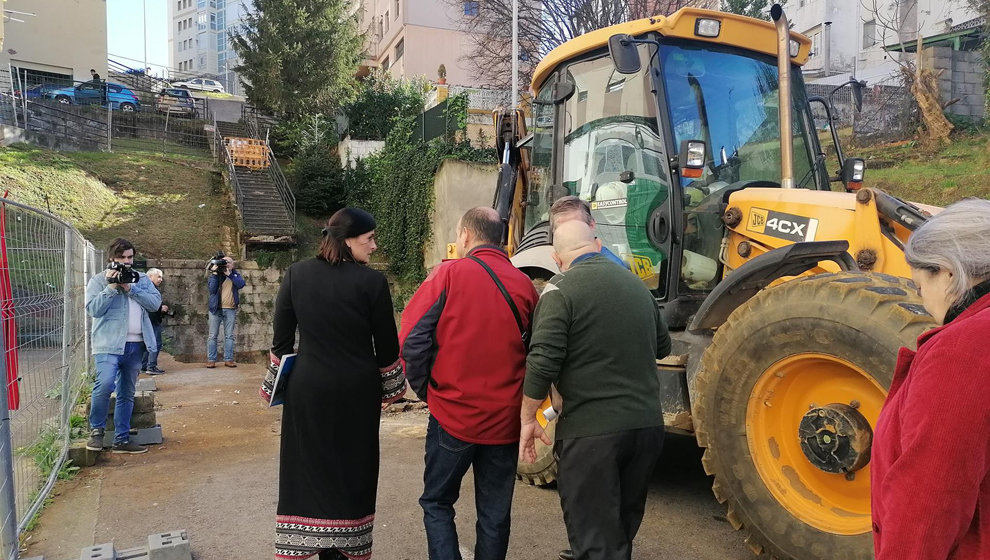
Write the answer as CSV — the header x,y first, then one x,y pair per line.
x,y
249,115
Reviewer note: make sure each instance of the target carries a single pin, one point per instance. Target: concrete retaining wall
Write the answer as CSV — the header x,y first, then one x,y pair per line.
x,y
184,290
458,187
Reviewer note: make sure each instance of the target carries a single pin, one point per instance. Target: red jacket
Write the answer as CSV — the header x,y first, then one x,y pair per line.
x,y
931,450
462,348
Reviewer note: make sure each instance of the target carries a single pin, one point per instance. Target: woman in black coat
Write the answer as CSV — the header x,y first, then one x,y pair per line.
x,y
346,369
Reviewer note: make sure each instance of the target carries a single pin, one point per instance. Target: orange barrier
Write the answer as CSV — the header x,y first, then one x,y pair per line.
x,y
248,152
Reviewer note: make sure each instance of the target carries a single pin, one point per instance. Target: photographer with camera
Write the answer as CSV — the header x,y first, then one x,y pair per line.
x,y
119,300
149,364
223,283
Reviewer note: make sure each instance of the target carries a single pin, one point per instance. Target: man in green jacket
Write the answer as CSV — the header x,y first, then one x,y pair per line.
x,y
599,346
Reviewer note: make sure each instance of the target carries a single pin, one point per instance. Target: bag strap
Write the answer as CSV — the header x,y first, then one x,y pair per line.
x,y
505,293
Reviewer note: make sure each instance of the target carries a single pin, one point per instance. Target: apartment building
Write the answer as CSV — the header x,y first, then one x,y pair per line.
x,y
849,38
199,39
58,42
413,38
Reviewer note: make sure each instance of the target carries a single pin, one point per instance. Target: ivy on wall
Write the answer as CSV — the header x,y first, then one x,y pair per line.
x,y
401,190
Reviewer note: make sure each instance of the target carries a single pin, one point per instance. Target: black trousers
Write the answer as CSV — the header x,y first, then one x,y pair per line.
x,y
602,482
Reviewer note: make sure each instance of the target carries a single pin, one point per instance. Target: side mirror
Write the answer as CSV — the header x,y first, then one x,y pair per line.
x,y
858,94
853,171
625,55
562,91
691,158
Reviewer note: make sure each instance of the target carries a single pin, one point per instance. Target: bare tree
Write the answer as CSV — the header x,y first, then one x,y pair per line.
x,y
543,25
897,23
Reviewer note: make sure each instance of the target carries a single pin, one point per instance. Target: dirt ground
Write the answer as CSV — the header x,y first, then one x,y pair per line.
x,y
215,476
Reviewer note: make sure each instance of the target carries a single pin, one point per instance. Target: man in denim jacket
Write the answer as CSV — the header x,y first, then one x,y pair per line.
x,y
121,332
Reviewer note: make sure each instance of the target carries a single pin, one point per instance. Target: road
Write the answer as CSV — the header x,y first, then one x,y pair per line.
x,y
216,473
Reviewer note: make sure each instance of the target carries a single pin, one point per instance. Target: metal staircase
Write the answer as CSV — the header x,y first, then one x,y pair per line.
x,y
264,201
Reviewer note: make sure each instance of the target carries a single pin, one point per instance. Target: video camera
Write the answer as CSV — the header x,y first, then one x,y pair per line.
x,y
220,262
127,274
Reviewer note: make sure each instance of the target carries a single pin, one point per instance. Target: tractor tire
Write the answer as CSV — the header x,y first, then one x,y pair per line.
x,y
542,471
792,353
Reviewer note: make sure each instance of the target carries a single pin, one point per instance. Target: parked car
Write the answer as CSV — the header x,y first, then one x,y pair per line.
x,y
92,93
176,101
203,84
38,91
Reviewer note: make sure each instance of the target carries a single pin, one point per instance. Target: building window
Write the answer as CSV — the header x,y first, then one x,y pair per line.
x,y
178,5
396,9
471,7
385,63
386,20
400,48
201,21
381,28
816,44
869,33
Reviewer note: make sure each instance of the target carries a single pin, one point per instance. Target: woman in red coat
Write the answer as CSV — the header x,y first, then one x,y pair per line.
x,y
931,450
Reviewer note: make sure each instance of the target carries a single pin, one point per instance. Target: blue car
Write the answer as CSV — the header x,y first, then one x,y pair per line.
x,y
39,91
92,93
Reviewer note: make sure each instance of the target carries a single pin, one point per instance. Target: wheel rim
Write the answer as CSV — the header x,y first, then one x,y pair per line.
x,y
781,398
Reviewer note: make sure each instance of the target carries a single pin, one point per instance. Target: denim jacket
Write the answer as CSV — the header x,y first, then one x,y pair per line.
x,y
108,307
214,283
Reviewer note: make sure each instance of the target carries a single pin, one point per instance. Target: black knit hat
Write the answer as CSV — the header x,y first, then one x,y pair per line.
x,y
349,222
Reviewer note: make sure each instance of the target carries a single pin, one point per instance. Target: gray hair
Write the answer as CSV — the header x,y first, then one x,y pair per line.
x,y
957,240
154,272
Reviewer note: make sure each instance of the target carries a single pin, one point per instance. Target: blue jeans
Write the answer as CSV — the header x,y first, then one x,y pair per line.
x,y
150,359
120,370
229,318
447,460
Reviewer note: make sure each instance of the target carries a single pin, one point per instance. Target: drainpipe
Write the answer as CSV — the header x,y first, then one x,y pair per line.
x,y
784,93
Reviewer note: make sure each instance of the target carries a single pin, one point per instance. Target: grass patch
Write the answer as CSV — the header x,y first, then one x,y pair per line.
x,y
169,208
958,171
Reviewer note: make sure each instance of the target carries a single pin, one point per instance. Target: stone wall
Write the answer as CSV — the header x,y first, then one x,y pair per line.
x,y
962,79
184,290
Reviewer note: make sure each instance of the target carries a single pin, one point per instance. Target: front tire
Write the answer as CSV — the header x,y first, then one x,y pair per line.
x,y
793,352
542,471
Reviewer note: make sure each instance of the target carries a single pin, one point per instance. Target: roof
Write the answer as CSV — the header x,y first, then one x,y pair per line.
x,y
965,36
741,31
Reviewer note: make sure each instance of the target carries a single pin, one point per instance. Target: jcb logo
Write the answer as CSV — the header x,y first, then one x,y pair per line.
x,y
642,267
782,225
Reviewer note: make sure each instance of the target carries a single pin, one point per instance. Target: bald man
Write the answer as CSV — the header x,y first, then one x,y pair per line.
x,y
597,333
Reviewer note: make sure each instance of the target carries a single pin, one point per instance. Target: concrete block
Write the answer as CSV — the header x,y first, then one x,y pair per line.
x,y
144,420
80,456
148,436
138,553
146,384
144,401
98,552
173,545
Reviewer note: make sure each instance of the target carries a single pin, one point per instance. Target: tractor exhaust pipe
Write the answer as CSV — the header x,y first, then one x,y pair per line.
x,y
784,92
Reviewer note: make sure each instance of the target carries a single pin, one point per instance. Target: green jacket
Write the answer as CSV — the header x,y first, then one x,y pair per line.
x,y
597,333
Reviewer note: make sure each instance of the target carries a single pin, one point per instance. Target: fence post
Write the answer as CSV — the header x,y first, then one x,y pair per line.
x,y
13,98
109,126
8,509
66,334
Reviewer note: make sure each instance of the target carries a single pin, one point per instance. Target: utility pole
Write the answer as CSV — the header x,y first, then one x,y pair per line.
x,y
144,17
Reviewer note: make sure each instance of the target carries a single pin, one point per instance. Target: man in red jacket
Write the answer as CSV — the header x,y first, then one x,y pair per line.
x,y
462,339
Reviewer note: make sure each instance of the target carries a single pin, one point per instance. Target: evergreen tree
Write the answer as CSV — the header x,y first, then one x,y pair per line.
x,y
299,56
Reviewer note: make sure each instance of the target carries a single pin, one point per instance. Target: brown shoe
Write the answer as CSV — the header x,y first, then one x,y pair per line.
x,y
230,364
211,365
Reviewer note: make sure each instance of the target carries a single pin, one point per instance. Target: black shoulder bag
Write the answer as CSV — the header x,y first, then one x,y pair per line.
x,y
508,299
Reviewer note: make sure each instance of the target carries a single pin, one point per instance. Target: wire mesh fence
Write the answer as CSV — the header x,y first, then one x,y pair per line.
x,y
44,267
124,112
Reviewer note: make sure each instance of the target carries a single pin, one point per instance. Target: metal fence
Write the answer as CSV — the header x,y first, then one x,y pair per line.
x,y
45,357
114,115
434,123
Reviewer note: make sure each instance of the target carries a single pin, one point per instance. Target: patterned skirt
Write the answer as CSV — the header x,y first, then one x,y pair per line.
x,y
304,537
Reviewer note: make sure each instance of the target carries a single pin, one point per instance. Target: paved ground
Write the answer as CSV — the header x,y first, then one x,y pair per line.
x,y
215,476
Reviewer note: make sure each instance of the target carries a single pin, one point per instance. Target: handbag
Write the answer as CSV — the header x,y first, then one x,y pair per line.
x,y
524,334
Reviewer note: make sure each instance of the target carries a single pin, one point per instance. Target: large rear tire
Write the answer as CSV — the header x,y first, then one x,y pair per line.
x,y
823,346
